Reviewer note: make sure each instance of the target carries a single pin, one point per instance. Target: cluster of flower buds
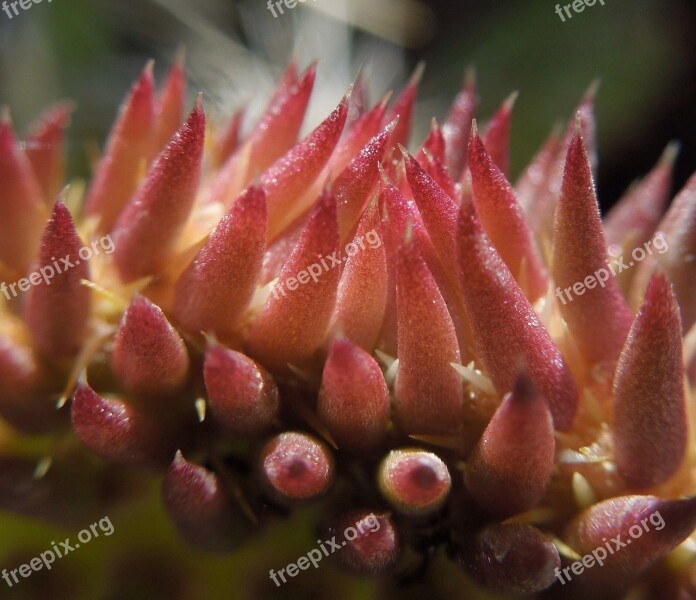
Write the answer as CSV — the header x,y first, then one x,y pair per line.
x,y
467,378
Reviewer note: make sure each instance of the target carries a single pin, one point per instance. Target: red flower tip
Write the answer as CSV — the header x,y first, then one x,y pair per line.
x,y
355,183
515,558
362,292
434,144
292,324
650,422
45,151
678,230
628,534
127,147
505,327
503,220
457,126
292,174
414,482
196,501
403,108
510,467
428,392
534,187
228,140
374,544
591,301
633,219
243,397
149,356
278,129
169,106
353,398
296,466
147,230
21,201
497,136
57,310
119,432
204,299
439,211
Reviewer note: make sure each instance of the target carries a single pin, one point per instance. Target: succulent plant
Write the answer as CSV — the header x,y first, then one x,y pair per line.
x,y
335,327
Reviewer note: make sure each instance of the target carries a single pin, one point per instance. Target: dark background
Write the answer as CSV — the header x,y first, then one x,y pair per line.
x,y
91,50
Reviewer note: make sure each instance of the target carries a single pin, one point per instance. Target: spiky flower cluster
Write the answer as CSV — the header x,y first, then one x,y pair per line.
x,y
469,376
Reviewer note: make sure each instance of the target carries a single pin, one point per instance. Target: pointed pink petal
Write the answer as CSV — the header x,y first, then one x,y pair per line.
x,y
286,81
197,503
45,149
291,326
229,139
57,310
149,356
21,203
169,107
362,291
119,432
213,292
359,100
503,220
597,315
650,429
127,148
515,558
533,186
505,327
434,144
663,525
270,139
540,203
633,219
457,127
280,248
277,130
147,230
357,181
353,398
290,175
428,392
440,175
676,255
496,139
243,397
404,108
439,211
360,134
511,466
399,214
